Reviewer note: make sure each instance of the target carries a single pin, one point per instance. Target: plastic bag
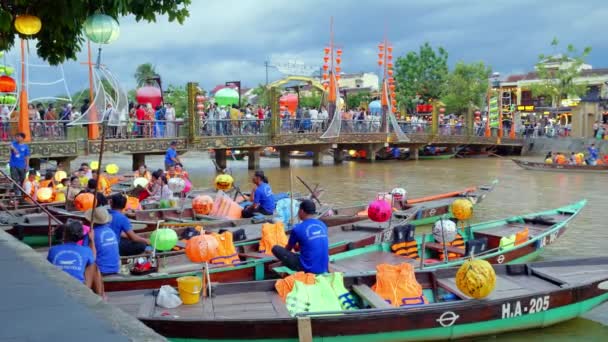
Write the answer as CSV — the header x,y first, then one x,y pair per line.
x,y
168,298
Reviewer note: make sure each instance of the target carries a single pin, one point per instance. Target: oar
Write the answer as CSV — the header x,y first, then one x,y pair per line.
x,y
312,192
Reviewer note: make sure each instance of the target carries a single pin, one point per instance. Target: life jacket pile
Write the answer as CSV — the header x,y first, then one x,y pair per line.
x,y
272,234
226,253
398,286
404,242
315,293
459,243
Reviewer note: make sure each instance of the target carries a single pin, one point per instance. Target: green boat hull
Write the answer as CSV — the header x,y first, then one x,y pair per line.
x,y
437,157
530,321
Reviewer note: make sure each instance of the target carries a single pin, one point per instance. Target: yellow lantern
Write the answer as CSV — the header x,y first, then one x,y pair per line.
x,y
59,175
44,195
476,278
112,169
94,165
223,182
28,24
462,209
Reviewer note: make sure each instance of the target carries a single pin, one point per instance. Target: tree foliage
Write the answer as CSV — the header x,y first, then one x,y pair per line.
x,y
466,86
311,101
61,36
558,73
177,96
262,95
144,73
354,100
422,73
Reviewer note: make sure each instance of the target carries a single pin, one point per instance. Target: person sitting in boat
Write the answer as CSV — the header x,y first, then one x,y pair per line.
x,y
171,172
129,242
180,172
48,181
263,200
74,189
572,159
160,188
30,185
593,155
87,170
82,177
560,159
104,185
76,260
106,242
311,237
142,171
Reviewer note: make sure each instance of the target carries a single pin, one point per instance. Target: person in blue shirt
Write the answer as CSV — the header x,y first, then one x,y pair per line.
x,y
129,242
593,155
19,160
76,260
171,157
106,242
263,200
311,237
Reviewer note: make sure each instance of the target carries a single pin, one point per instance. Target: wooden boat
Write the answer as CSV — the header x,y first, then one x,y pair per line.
x,y
436,156
544,228
526,296
541,166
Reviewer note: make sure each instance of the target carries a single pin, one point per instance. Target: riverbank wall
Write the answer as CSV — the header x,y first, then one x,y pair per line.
x,y
540,146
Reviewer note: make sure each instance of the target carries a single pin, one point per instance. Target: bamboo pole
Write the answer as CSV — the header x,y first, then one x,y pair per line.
x,y
291,197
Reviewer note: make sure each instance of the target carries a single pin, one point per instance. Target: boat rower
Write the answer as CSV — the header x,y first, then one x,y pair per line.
x,y
30,185
263,200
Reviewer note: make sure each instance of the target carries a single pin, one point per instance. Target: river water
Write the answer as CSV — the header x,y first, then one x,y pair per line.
x,y
519,191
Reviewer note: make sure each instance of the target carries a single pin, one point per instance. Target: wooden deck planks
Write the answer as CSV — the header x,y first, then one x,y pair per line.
x,y
368,261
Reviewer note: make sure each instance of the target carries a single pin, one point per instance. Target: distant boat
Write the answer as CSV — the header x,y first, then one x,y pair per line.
x,y
540,166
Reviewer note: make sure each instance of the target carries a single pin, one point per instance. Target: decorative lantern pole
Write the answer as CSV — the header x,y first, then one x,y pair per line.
x,y
27,25
331,72
388,97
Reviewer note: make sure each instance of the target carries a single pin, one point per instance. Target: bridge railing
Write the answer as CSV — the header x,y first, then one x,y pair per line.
x,y
227,127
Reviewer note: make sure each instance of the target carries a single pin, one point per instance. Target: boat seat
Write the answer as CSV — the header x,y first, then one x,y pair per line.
x,y
256,255
438,247
370,297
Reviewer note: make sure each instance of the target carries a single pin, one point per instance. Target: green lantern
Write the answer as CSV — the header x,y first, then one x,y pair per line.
x,y
163,239
101,28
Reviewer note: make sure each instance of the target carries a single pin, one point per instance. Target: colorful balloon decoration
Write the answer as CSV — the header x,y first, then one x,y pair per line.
x,y
379,211
188,186
176,184
476,278
84,201
226,97
28,24
202,248
7,84
202,204
444,231
224,182
163,239
94,165
462,209
101,28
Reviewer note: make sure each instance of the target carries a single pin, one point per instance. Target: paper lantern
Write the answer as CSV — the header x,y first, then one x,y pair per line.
x,y
326,50
290,101
325,86
325,76
94,165
337,77
380,46
202,248
200,106
200,98
389,49
326,59
44,195
399,194
338,60
163,239
462,209
325,67
339,52
176,184
7,84
379,211
101,28
390,72
59,175
8,70
338,69
444,231
380,62
140,182
389,57
8,99
149,94
202,204
476,278
441,110
28,24
380,55
84,201
391,80
112,169
223,182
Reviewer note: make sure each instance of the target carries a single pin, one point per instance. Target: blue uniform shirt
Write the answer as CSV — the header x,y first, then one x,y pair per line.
x,y
71,258
171,153
120,223
592,152
106,243
311,235
18,160
263,197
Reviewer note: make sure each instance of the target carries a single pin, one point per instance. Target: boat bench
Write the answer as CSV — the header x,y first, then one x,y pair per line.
x,y
438,247
256,255
370,297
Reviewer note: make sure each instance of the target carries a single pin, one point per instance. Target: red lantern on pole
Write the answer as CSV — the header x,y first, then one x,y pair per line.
x,y
380,62
325,67
325,76
7,84
390,72
389,64
389,49
393,95
339,52
200,98
389,57
149,94
338,60
391,80
337,77
441,110
392,87
326,50
380,55
338,69
326,59
381,47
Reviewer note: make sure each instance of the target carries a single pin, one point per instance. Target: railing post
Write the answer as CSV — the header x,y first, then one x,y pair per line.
x,y
435,119
193,119
469,121
275,121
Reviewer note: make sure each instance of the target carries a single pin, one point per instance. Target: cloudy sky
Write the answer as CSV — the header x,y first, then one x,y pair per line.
x,y
230,39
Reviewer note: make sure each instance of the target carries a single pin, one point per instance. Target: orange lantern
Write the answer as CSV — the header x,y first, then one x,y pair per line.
x,y
202,248
326,59
389,64
392,87
442,110
326,50
325,76
380,55
380,46
389,57
339,52
44,195
380,62
394,101
325,67
132,203
391,80
389,49
337,77
338,60
338,69
394,109
393,95
202,205
7,84
390,72
325,85
84,201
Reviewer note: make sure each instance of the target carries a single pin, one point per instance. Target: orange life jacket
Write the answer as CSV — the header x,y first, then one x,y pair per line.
x,y
32,191
226,253
285,285
521,236
459,243
407,249
104,185
272,234
561,159
397,285
47,183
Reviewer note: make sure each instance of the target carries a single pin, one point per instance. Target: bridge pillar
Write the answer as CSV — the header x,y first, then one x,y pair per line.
x,y
138,159
317,158
220,158
414,152
35,164
370,153
284,157
253,159
338,155
63,163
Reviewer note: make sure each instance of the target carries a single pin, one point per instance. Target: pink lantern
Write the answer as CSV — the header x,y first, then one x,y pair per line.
x,y
200,106
149,94
188,187
200,98
379,211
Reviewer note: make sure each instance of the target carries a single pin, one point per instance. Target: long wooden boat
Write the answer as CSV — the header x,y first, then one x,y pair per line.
x,y
436,156
544,228
526,296
538,166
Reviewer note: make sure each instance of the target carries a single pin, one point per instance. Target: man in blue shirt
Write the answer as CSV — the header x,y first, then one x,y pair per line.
x,y
19,160
171,157
129,242
106,242
263,200
593,155
311,236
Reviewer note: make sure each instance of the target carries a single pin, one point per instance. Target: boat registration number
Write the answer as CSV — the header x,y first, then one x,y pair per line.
x,y
547,240
535,305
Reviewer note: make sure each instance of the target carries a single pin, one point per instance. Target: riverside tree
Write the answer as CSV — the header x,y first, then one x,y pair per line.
x,y
466,86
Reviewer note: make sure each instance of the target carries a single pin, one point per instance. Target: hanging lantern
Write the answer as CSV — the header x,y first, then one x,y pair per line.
x,y
325,67
392,87
338,60
326,59
200,106
441,110
325,76
394,109
149,94
389,64
380,62
338,69
390,72
337,77
380,46
389,49
326,50
380,55
200,98
393,95
101,28
28,24
339,52
7,84
389,57
325,85
391,80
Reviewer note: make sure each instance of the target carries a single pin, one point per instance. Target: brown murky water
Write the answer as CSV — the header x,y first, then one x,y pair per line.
x,y
519,191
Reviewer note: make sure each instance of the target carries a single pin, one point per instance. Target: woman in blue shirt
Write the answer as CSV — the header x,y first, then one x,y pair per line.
x,y
263,200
